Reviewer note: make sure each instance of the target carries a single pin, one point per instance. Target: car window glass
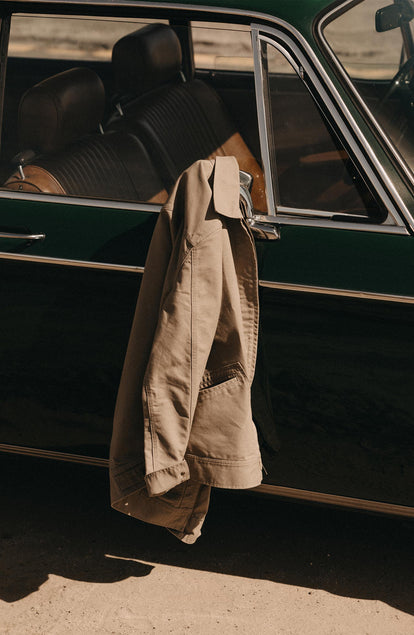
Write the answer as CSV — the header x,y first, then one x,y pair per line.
x,y
311,168
67,37
379,61
57,142
101,108
363,51
222,46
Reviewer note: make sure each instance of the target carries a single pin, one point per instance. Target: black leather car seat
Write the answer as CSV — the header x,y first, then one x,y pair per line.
x,y
64,152
178,121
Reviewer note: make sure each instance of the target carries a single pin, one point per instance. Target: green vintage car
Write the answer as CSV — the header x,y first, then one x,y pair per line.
x,y
103,105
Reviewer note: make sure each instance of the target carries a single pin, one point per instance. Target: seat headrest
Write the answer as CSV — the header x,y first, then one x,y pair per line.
x,y
146,59
61,109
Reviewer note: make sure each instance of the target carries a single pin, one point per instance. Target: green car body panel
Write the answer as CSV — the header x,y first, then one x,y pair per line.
x,y
337,319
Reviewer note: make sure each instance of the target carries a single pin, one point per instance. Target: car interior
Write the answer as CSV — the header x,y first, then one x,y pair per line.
x,y
160,125
125,130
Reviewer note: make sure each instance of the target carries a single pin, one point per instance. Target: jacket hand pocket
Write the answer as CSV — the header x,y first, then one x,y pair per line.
x,y
222,426
213,379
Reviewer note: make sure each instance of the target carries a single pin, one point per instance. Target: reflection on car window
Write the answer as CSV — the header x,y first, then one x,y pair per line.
x,y
314,172
379,61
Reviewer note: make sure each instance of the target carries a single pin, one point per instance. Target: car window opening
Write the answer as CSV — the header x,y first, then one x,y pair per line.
x,y
313,169
130,126
160,125
377,55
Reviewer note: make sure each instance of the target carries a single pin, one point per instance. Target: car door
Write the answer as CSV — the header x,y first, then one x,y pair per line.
x,y
65,320
70,274
336,294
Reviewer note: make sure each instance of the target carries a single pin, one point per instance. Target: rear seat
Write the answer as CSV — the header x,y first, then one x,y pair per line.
x,y
179,122
166,124
58,124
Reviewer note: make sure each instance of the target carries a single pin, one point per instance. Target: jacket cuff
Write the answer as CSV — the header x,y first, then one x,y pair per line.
x,y
162,481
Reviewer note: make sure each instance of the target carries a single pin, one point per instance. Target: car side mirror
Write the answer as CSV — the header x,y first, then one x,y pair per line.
x,y
394,16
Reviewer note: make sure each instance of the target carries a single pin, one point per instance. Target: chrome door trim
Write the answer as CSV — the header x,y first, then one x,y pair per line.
x,y
85,264
51,454
269,284
272,490
22,236
62,199
320,26
362,504
341,121
348,293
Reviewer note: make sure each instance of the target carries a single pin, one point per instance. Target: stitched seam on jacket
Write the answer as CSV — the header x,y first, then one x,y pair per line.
x,y
194,246
220,485
194,306
188,253
221,375
224,462
150,416
193,335
199,242
205,393
253,301
166,469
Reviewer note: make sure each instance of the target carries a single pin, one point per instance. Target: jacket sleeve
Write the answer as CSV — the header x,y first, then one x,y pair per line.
x,y
182,343
127,443
186,328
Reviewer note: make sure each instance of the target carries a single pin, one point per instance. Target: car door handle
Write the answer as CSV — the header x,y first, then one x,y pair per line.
x,y
22,236
263,231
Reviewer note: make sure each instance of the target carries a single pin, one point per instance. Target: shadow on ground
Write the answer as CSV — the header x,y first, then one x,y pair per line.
x,y
56,519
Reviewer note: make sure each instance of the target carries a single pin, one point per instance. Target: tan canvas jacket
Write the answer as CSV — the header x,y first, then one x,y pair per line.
x,y
183,420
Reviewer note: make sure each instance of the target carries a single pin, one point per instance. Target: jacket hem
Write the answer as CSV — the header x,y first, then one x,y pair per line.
x,y
181,511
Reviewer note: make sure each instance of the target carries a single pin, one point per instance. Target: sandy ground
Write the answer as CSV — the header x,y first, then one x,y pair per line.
x,y
69,564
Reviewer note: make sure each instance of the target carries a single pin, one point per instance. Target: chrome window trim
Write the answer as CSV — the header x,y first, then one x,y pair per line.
x,y
317,213
328,17
302,218
262,123
341,122
77,201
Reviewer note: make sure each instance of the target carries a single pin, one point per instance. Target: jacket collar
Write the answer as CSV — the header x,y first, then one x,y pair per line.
x,y
226,187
